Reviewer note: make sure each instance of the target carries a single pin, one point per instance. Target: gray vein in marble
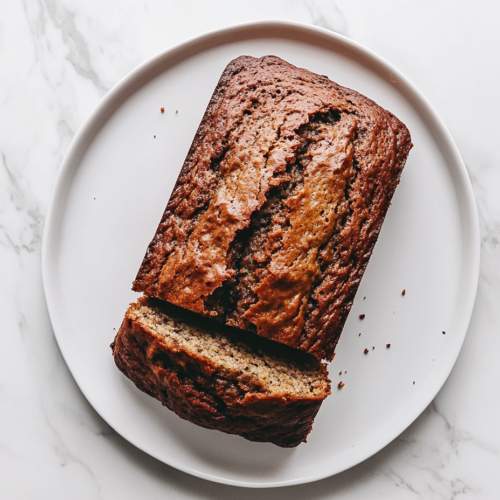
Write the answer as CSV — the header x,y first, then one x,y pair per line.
x,y
327,15
103,429
439,485
457,436
29,237
5,449
23,325
401,482
79,57
65,131
65,456
63,20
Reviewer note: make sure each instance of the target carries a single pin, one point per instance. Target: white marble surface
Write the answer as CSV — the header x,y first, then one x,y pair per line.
x,y
57,59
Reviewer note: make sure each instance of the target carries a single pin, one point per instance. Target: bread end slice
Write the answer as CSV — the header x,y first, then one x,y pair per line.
x,y
219,377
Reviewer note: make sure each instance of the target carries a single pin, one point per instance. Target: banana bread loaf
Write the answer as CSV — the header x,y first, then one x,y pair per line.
x,y
220,378
279,203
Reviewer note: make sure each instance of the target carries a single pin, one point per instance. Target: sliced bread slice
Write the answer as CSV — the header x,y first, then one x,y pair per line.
x,y
218,377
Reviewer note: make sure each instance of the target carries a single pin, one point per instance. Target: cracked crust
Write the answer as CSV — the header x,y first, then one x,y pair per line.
x,y
278,205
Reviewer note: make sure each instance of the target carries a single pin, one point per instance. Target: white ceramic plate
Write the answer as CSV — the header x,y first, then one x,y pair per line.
x,y
111,192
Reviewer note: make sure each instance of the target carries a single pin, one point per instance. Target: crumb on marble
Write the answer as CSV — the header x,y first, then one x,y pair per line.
x,y
162,110
403,293
366,351
340,384
388,346
362,316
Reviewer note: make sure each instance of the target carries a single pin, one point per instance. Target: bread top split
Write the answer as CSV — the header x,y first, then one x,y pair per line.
x,y
278,205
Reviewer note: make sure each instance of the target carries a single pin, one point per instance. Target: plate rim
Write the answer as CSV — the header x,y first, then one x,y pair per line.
x,y
105,109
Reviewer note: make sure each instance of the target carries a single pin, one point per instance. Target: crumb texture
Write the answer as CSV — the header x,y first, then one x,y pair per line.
x,y
220,379
278,205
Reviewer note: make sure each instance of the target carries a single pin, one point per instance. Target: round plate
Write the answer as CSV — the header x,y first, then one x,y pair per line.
x,y
110,194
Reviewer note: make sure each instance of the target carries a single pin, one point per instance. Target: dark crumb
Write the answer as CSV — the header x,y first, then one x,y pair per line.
x,y
361,316
364,298
345,371
115,329
94,198
366,351
359,335
340,372
162,110
444,333
403,292
388,345
413,382
176,110
373,347
341,384
154,136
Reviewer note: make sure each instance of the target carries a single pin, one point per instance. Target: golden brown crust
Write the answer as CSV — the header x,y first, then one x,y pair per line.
x,y
278,206
197,390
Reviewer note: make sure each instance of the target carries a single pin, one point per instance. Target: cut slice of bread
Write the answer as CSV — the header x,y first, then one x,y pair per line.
x,y
218,377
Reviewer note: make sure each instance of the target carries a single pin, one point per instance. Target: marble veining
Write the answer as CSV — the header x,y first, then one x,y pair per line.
x,y
329,17
58,58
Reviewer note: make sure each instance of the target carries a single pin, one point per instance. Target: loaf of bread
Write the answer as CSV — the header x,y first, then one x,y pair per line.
x,y
279,203
218,377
